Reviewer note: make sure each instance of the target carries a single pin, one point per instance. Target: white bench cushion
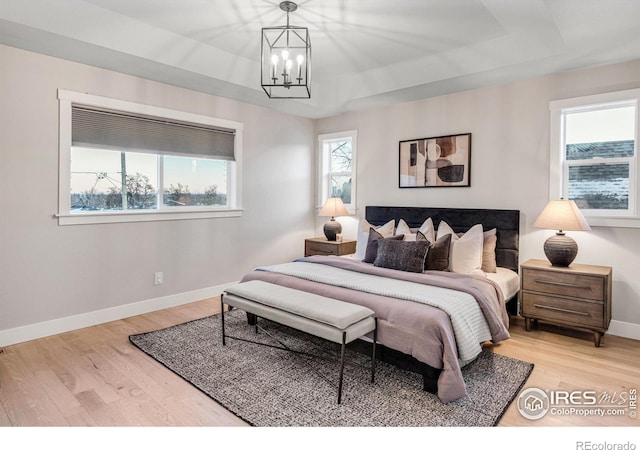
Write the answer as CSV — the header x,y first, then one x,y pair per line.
x,y
329,311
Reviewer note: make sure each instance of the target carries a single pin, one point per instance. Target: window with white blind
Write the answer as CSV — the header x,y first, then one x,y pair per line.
x,y
594,156
124,162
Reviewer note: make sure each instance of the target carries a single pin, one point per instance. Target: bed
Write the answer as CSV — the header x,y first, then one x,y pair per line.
x,y
433,322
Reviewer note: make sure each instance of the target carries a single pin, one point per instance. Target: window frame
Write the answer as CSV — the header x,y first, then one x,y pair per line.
x,y
324,167
64,215
559,166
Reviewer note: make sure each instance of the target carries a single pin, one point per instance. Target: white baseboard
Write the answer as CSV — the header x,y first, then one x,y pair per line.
x,y
624,329
62,325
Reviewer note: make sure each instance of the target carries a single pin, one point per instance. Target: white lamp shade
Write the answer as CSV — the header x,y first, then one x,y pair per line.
x,y
333,207
562,215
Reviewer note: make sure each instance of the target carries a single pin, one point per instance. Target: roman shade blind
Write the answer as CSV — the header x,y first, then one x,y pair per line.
x,y
99,128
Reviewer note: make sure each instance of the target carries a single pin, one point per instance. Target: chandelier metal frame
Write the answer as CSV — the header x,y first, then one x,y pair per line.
x,y
286,59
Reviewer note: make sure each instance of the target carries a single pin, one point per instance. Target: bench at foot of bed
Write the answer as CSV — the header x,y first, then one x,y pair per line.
x,y
327,318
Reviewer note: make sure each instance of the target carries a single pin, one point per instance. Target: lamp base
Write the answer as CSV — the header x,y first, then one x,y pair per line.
x,y
332,228
561,250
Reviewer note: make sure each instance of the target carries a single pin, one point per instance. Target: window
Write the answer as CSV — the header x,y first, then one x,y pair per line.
x,y
123,162
594,156
337,168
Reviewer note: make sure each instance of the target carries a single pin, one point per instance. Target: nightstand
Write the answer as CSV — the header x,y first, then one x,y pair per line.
x,y
578,296
321,246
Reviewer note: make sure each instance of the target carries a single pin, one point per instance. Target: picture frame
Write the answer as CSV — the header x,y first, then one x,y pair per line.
x,y
441,161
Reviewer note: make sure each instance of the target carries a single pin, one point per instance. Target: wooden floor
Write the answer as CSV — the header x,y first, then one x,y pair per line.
x,y
95,377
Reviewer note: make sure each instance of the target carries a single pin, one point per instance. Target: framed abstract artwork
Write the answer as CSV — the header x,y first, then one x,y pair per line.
x,y
443,161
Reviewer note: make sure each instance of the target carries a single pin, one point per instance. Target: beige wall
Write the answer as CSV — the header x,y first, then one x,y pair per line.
x,y
509,168
55,277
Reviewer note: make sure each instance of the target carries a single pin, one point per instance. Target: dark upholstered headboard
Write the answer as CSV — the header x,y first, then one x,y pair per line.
x,y
505,221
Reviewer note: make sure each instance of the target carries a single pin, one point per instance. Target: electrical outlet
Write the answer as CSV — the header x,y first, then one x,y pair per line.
x,y
158,278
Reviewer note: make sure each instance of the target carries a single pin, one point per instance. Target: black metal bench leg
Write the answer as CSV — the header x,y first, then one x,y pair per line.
x,y
373,355
344,338
222,316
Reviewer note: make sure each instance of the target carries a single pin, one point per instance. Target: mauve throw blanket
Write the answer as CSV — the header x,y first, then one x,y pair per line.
x,y
422,331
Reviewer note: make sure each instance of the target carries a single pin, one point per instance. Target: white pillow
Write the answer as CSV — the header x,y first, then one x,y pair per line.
x,y
465,254
385,230
426,229
403,228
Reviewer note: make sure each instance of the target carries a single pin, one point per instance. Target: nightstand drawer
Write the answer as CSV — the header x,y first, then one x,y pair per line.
x,y
569,284
320,248
578,312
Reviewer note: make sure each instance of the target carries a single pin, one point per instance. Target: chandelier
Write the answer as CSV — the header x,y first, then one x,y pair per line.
x,y
286,59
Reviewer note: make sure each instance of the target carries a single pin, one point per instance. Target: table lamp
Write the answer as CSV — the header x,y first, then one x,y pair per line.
x,y
333,207
561,215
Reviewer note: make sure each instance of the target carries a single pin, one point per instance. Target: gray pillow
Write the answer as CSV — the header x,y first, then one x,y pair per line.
x,y
438,256
372,244
408,256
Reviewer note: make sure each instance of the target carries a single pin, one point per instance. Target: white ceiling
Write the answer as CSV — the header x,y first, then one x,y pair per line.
x,y
365,52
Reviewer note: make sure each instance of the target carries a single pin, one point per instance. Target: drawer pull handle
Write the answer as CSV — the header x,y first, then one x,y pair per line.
x,y
557,283
553,308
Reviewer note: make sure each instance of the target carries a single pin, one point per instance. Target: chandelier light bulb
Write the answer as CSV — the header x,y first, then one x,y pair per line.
x,y
300,59
285,55
288,65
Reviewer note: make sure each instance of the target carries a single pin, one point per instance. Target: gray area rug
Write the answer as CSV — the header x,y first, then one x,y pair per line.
x,y
268,387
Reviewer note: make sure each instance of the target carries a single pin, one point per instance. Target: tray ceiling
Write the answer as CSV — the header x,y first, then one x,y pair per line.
x,y
365,53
